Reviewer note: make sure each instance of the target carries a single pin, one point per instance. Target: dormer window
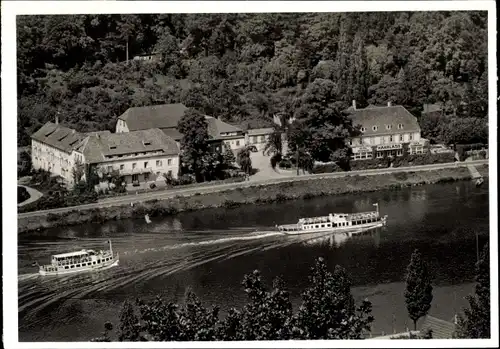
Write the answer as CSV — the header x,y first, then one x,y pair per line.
x,y
112,147
400,126
374,128
388,127
146,143
363,129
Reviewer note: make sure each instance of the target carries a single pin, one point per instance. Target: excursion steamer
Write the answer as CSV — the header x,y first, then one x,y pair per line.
x,y
337,222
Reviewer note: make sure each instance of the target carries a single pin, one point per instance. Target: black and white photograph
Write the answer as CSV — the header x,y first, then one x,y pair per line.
x,y
240,173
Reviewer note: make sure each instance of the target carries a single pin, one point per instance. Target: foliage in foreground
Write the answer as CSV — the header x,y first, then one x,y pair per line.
x,y
418,293
328,311
476,320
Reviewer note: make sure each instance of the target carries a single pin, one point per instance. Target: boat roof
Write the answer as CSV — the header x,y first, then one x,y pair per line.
x,y
72,254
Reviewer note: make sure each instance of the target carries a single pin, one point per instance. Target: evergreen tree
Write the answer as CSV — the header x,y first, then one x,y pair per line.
x,y
244,160
476,322
418,293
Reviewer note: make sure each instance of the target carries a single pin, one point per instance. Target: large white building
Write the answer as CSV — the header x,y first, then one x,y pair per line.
x,y
141,156
385,131
166,117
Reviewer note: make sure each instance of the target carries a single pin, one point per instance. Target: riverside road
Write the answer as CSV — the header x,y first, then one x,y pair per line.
x,y
169,193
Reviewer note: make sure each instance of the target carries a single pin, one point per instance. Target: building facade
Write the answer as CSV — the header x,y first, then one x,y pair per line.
x,y
389,131
138,156
52,150
259,137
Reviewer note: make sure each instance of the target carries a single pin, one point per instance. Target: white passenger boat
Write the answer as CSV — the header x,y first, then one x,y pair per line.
x,y
80,261
338,222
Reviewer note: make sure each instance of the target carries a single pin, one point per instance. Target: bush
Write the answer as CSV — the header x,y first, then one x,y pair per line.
x,y
152,186
22,194
368,164
326,168
285,164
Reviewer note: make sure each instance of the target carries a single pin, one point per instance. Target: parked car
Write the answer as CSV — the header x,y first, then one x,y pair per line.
x,y
253,148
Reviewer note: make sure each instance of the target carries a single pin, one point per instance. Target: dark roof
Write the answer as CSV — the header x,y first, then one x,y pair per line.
x,y
441,329
172,133
95,148
58,136
216,127
156,116
383,116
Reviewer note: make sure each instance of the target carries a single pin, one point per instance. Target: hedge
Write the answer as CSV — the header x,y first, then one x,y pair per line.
x,y
402,161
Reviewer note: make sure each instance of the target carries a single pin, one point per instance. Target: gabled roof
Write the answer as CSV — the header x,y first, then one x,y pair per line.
x,y
97,147
216,127
58,136
383,116
156,116
441,329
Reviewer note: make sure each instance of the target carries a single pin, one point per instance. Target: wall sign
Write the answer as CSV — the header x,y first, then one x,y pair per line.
x,y
389,146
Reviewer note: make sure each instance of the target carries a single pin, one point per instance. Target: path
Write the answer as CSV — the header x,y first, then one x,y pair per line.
x,y
34,195
126,200
473,171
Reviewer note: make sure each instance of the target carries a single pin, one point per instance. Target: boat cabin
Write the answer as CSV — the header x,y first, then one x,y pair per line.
x,y
79,259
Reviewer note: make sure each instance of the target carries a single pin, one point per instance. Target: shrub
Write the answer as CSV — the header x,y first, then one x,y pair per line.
x,y
326,168
152,186
285,164
22,194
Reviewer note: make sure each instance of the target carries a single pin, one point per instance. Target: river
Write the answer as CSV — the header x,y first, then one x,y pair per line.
x,y
211,250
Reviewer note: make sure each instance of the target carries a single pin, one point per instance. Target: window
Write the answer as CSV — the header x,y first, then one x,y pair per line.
x,y
388,127
400,126
169,162
98,261
135,177
401,138
66,267
390,139
146,176
254,139
78,265
145,164
93,262
374,128
237,143
262,138
399,152
158,163
363,129
169,173
380,155
411,137
122,167
72,266
350,142
147,143
110,168
134,165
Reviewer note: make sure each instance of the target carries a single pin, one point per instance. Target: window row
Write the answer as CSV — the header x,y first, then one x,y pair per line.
x,y
146,164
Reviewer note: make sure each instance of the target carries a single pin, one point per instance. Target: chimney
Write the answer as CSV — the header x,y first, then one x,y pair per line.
x,y
354,104
389,104
57,119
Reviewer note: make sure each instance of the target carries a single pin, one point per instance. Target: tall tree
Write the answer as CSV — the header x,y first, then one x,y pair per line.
x,y
194,143
476,322
328,310
418,293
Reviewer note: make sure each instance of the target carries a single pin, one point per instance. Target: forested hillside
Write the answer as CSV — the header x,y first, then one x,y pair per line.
x,y
247,67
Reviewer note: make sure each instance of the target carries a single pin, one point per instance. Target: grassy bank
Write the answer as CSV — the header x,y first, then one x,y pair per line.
x,y
260,194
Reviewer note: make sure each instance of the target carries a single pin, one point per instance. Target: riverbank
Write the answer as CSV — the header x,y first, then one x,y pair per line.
x,y
260,194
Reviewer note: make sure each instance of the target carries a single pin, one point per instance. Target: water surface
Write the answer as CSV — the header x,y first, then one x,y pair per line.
x,y
211,250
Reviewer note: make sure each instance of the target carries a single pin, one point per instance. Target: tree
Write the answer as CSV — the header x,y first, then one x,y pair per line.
x,y
418,293
244,160
328,310
476,322
129,324
194,143
267,316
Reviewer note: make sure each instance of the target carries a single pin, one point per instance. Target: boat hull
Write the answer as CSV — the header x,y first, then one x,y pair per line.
x,y
106,265
346,229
